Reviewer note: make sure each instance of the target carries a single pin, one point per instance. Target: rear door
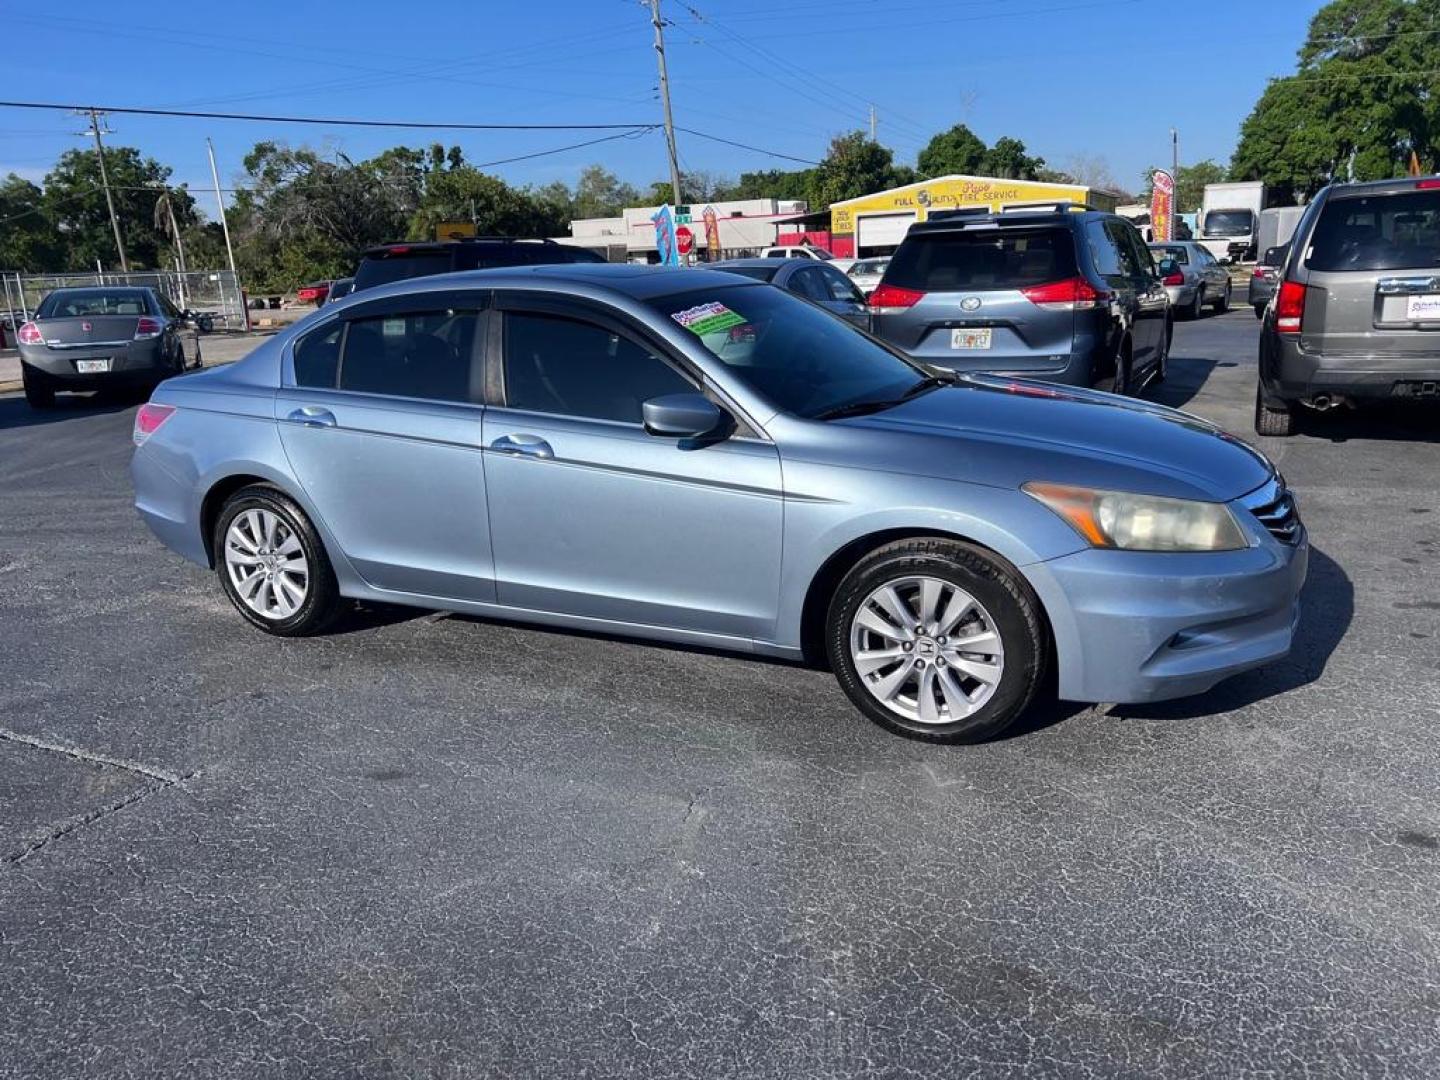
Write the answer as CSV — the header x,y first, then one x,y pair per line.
x,y
1151,302
842,295
970,311
380,417
1372,271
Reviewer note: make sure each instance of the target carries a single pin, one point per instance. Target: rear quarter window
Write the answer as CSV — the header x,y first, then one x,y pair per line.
x,y
979,260
1380,232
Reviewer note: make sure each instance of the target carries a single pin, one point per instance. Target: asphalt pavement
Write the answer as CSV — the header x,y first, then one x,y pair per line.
x,y
428,845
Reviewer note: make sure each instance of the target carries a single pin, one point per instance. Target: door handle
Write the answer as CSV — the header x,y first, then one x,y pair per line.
x,y
312,416
523,446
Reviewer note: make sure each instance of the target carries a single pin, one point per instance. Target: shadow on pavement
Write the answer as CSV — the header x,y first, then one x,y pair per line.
x,y
1327,605
1185,376
1392,421
16,412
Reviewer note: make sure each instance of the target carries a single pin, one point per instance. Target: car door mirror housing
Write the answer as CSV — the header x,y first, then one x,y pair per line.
x,y
682,416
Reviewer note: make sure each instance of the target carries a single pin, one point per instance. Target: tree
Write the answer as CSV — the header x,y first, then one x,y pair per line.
x,y
1190,181
600,193
958,150
1008,160
467,194
1364,96
75,204
28,238
855,165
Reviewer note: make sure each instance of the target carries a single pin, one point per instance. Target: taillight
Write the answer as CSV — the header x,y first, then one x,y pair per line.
x,y
1072,294
29,334
894,298
149,419
1259,272
1428,184
146,327
1289,307
1177,278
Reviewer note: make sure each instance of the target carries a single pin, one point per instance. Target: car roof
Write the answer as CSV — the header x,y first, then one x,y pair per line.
x,y
109,290
980,217
1394,186
620,280
773,263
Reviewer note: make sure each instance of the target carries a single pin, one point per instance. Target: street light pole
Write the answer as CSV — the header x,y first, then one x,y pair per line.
x,y
665,101
105,183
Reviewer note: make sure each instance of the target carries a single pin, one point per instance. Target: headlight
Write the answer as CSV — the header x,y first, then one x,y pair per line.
x,y
1118,519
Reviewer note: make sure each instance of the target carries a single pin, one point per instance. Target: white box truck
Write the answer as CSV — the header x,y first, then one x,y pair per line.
x,y
1277,225
1230,219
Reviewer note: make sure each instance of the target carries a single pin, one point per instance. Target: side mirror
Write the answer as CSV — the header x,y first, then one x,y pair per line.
x,y
682,416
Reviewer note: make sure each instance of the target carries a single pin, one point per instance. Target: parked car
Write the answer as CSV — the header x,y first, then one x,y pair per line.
x,y
796,251
1196,279
397,262
1357,307
1264,277
1065,296
313,293
817,282
696,458
340,288
104,338
866,273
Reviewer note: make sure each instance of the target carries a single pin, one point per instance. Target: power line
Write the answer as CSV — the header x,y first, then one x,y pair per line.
x,y
321,121
745,146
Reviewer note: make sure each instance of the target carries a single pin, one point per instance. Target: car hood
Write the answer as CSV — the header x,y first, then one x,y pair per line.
x,y
1010,431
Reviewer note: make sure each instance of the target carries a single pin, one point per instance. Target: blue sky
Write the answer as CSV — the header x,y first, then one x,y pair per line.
x,y
1068,77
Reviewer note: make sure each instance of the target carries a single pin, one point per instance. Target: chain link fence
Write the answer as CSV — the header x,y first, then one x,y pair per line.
x,y
212,293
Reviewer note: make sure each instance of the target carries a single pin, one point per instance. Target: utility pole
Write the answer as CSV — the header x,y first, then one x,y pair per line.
x,y
873,124
220,200
1174,153
105,183
659,24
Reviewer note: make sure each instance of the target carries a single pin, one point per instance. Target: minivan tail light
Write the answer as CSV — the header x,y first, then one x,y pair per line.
x,y
1289,307
1428,184
894,298
146,327
29,334
149,419
1072,294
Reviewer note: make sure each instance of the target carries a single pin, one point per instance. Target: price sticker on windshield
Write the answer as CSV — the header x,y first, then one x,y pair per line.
x,y
708,318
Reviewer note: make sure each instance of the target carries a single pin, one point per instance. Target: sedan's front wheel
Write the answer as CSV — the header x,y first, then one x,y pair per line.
x,y
937,640
272,564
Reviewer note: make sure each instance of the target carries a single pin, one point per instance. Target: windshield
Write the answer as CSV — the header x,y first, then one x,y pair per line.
x,y
381,271
800,358
1229,222
1179,254
71,305
1381,232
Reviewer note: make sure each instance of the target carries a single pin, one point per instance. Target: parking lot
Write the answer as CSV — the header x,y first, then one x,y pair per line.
x,y
430,845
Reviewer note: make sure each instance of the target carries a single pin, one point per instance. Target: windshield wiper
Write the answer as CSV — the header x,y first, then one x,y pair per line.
x,y
929,382
860,408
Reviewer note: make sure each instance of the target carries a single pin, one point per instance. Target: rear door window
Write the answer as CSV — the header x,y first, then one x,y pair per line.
x,y
1378,232
317,357
1178,253
982,259
423,355
1104,251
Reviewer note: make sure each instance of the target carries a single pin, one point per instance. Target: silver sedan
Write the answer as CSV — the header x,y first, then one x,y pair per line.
x,y
1195,278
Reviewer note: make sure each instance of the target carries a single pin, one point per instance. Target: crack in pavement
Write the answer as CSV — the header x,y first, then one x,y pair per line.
x,y
160,779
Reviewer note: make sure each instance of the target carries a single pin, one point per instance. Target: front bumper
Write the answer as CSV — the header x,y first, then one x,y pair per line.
x,y
1148,626
1295,373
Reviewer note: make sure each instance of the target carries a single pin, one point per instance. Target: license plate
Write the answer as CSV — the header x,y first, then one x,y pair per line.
x,y
1424,308
970,339
92,367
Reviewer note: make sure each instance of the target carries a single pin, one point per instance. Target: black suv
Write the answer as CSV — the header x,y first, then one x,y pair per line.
x,y
396,262
1054,293
1356,312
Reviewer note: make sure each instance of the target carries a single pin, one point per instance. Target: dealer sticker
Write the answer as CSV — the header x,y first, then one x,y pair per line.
x,y
708,318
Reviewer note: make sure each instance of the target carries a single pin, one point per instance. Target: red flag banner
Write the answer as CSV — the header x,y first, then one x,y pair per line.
x,y
1162,205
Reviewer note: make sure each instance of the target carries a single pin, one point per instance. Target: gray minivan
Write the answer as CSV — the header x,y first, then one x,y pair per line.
x,y
1064,295
1356,316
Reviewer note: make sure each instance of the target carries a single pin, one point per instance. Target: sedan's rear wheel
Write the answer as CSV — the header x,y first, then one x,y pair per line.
x,y
937,640
272,564
37,396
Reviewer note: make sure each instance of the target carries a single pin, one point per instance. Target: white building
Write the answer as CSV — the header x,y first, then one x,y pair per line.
x,y
746,226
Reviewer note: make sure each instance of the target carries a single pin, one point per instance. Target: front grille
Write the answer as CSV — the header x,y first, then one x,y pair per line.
x,y
1274,507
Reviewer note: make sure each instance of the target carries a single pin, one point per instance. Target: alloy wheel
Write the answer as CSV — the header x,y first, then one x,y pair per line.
x,y
266,564
926,650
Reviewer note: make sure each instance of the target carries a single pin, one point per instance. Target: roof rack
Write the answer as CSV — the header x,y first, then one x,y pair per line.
x,y
959,211
1061,206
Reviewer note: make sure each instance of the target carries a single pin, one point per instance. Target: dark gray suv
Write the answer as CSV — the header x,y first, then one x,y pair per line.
x,y
1058,294
1356,315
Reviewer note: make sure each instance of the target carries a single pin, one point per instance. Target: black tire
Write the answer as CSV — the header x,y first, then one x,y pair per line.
x,y
999,588
322,598
1270,420
1162,365
1259,310
205,324
1197,308
1118,379
37,396
1222,302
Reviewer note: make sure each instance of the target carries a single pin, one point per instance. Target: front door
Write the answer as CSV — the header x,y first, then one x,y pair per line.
x,y
382,425
1150,304
589,515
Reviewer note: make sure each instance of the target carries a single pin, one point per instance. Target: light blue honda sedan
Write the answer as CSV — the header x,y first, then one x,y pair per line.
x,y
688,456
